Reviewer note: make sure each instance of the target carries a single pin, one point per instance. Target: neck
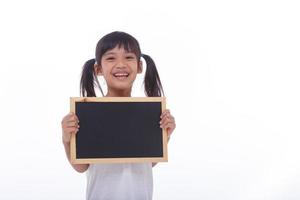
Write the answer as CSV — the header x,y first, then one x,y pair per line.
x,y
118,93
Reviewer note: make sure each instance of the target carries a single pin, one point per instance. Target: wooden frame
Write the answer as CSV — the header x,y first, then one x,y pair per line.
x,y
76,160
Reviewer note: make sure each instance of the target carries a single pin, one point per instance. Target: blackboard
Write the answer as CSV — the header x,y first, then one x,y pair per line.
x,y
118,130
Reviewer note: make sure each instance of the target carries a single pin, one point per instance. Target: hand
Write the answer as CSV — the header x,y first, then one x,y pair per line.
x,y
167,122
69,125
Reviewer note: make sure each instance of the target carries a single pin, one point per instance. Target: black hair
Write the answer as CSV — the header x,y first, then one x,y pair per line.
x,y
152,83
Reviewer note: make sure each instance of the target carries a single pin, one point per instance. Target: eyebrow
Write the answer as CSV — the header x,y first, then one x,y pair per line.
x,y
108,53
113,53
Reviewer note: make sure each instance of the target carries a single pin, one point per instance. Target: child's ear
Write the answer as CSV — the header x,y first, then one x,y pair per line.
x,y
140,67
98,69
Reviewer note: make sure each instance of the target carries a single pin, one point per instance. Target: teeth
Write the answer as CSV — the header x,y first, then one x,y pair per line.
x,y
121,74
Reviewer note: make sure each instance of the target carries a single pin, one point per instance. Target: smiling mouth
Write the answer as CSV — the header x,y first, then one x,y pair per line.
x,y
121,75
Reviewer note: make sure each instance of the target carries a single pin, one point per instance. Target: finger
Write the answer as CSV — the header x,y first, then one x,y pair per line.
x,y
165,112
69,122
72,125
67,119
167,119
72,116
168,116
71,130
76,118
164,120
169,128
167,124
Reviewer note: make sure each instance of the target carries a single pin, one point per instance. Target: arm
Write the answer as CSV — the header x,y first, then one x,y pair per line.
x,y
78,167
70,126
167,122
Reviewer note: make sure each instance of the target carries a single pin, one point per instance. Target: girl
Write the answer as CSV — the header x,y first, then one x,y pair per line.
x,y
118,60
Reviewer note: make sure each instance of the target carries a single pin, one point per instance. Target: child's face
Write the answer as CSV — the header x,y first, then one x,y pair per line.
x,y
119,68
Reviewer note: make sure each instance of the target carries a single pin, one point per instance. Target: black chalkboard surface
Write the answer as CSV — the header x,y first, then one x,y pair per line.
x,y
118,130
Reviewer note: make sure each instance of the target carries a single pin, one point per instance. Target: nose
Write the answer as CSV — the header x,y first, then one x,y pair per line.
x,y
121,64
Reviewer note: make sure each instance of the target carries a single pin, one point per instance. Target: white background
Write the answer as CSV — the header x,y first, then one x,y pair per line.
x,y
230,70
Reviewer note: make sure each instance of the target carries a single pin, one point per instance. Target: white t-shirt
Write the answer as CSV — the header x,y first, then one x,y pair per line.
x,y
130,181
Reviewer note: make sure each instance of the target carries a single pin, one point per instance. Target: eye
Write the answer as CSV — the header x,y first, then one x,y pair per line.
x,y
110,58
130,57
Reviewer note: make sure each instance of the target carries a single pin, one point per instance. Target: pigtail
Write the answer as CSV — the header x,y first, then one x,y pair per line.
x,y
88,80
153,87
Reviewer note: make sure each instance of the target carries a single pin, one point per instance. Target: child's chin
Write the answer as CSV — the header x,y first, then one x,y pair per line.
x,y
122,86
